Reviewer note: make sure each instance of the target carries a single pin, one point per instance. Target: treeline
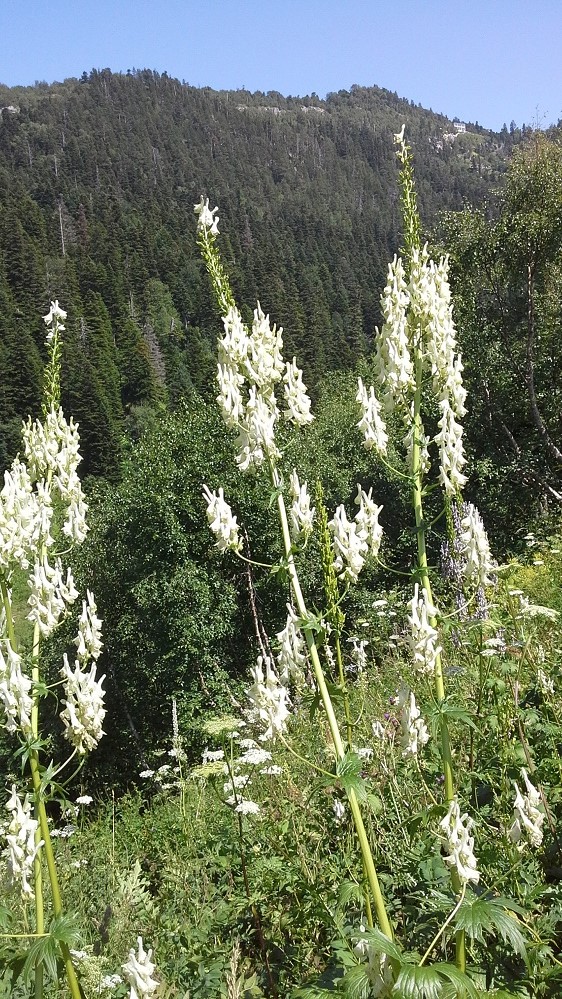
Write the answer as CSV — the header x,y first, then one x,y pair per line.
x,y
98,178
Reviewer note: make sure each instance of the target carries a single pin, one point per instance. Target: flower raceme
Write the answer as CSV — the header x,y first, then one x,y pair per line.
x,y
20,834
139,970
528,815
354,540
456,829
221,520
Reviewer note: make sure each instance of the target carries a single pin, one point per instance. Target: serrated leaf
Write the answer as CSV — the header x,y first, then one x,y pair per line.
x,y
356,983
350,891
348,770
477,916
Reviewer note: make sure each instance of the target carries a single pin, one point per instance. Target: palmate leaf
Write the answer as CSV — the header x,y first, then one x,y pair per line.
x,y
348,770
47,950
477,916
438,981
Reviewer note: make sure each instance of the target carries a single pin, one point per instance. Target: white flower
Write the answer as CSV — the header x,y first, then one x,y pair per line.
x,y
359,654
272,771
206,221
460,843
230,400
256,433
221,521
146,774
393,361
54,314
138,971
528,815
301,516
423,635
350,545
452,456
84,799
84,710
371,424
110,982
296,397
269,701
291,658
414,731
339,811
88,641
15,689
212,755
236,783
546,683
20,837
378,729
475,548
254,757
246,807
50,595
367,520
23,522
235,343
264,364
379,969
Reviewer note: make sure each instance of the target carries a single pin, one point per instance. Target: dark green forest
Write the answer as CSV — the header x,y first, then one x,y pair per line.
x,y
98,179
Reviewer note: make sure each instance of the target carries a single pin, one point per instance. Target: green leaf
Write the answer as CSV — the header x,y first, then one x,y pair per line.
x,y
356,983
478,916
350,891
348,769
415,982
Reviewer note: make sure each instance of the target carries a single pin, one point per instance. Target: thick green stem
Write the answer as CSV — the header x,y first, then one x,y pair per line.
x,y
38,861
368,862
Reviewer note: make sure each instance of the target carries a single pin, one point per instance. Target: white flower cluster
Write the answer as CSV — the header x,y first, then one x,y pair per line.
x,y
354,540
138,971
84,709
379,968
88,640
291,658
414,733
478,564
52,453
393,363
51,594
528,815
15,687
423,635
371,424
23,519
269,701
20,836
221,521
456,829
301,515
250,366
206,221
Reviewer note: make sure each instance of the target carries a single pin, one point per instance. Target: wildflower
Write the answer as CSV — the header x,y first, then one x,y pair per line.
x,y
301,516
546,683
350,545
475,548
272,771
452,456
423,635
221,521
256,433
413,728
269,701
50,594
296,397
230,400
146,774
109,982
54,314
263,364
212,755
88,642
378,730
20,836
456,829
15,689
367,520
21,519
393,361
139,970
291,657
206,221
84,709
339,811
358,654
371,423
246,807
379,969
254,757
528,815
84,799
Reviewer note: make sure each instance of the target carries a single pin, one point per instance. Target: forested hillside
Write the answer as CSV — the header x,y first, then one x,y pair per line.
x,y
98,178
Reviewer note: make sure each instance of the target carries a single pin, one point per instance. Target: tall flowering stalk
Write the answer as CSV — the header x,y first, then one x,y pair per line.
x,y
416,352
42,501
256,389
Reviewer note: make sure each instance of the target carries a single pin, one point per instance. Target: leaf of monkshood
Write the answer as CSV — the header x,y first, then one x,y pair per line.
x,y
477,916
356,983
46,950
350,891
450,712
383,945
348,769
432,982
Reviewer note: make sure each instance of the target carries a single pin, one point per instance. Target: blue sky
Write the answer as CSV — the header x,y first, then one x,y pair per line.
x,y
491,61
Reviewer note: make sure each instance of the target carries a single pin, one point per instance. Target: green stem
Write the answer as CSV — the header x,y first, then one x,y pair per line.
x,y
343,685
38,861
366,853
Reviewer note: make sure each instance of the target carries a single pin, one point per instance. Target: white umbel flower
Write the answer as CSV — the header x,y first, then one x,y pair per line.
x,y
84,709
269,701
528,815
221,521
15,689
424,636
456,829
20,837
301,515
414,733
138,971
475,548
371,424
